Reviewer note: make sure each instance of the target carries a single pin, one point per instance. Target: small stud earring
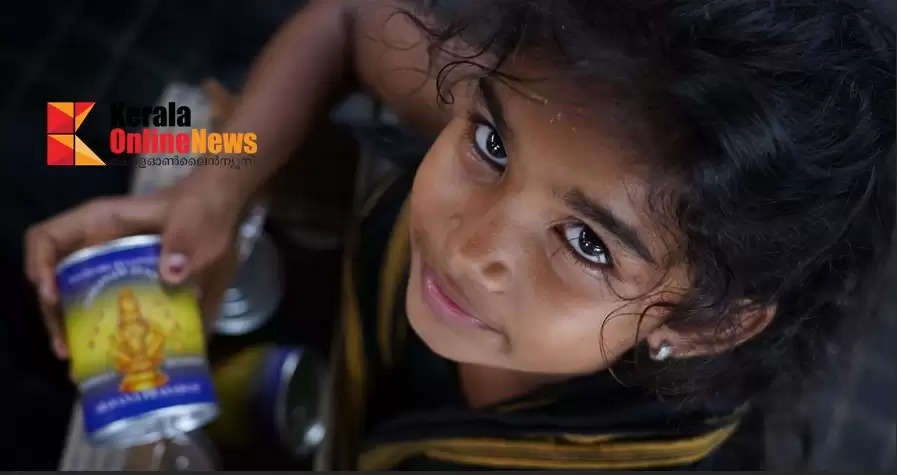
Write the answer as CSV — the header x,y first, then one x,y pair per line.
x,y
662,353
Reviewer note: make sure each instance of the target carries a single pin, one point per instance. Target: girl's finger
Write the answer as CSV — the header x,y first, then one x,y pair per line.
x,y
52,316
40,260
96,221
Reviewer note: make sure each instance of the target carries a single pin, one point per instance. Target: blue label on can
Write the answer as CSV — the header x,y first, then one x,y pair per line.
x,y
105,403
136,263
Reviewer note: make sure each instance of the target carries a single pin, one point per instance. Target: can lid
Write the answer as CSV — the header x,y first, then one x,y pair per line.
x,y
128,242
298,411
155,425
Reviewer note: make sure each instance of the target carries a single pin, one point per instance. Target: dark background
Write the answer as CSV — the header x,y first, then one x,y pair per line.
x,y
107,51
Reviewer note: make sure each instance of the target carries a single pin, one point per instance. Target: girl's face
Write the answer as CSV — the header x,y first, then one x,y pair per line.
x,y
530,242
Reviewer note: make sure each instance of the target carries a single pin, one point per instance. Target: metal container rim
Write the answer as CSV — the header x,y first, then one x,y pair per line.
x,y
129,242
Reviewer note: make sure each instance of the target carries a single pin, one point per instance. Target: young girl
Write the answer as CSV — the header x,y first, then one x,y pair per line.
x,y
634,218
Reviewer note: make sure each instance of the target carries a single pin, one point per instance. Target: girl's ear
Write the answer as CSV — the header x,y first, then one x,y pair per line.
x,y
684,343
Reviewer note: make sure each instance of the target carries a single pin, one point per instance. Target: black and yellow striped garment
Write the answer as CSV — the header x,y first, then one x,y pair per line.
x,y
399,405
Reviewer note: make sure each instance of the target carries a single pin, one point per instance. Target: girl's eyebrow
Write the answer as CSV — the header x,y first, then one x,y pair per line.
x,y
493,105
578,200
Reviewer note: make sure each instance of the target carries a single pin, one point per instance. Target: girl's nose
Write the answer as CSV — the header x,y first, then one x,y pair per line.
x,y
480,250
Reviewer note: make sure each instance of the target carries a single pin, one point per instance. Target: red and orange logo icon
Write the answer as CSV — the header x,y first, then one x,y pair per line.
x,y
63,146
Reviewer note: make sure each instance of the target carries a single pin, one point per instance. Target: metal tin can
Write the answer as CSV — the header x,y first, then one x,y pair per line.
x,y
271,395
291,382
137,348
254,295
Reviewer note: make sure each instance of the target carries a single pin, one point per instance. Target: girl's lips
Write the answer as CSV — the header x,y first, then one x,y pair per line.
x,y
443,305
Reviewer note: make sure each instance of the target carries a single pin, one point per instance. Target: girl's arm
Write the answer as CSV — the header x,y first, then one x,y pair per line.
x,y
312,56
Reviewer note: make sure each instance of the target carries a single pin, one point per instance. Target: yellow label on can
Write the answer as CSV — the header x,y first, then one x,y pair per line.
x,y
131,329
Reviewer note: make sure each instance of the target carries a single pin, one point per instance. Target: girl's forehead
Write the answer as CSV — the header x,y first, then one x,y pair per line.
x,y
618,111
573,132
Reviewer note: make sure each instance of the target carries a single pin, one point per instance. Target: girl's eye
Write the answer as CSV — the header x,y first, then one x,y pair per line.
x,y
489,146
585,244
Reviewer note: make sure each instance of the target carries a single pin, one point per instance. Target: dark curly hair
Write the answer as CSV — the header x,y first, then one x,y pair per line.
x,y
784,171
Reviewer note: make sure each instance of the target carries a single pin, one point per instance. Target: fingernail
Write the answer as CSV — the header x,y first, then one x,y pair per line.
x,y
176,264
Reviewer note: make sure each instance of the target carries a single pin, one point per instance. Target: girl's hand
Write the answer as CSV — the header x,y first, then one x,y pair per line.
x,y
197,221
